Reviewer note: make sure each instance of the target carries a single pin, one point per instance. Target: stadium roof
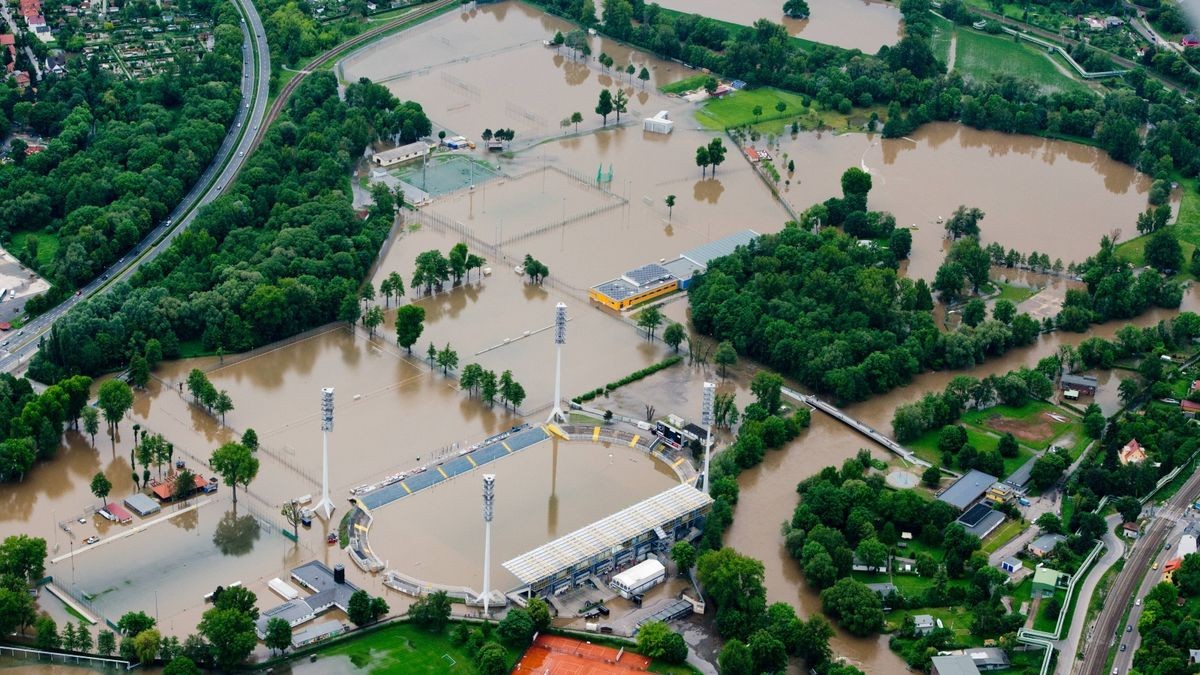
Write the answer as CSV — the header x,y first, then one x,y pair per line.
x,y
706,253
603,535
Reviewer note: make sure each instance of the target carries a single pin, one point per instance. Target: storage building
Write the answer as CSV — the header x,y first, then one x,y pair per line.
x,y
141,504
659,124
401,154
639,578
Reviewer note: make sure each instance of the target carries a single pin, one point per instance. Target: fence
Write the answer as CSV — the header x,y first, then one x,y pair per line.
x,y
95,662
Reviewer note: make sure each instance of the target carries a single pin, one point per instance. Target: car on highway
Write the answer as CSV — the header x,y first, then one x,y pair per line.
x,y
1154,566
1137,603
1128,628
1124,647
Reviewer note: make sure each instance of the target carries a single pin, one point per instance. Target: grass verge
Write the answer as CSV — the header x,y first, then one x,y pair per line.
x,y
47,247
982,56
737,109
684,85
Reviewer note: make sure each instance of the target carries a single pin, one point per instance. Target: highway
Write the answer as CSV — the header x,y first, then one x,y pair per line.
x,y
256,70
1131,578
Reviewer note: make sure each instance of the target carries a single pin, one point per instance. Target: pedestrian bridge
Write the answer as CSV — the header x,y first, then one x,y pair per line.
x,y
861,427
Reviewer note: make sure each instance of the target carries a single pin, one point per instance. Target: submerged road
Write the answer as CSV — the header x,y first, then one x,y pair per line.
x,y
238,142
1130,578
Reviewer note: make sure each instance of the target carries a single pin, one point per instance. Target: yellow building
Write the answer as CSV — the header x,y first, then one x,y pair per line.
x,y
635,287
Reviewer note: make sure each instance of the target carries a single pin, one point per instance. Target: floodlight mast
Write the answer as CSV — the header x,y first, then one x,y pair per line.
x,y
325,506
560,339
706,418
489,498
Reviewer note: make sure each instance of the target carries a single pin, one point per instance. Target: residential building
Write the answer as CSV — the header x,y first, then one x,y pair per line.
x,y
923,624
1001,493
1044,544
1132,453
1130,530
953,665
1046,581
1189,408
967,490
1189,40
1194,656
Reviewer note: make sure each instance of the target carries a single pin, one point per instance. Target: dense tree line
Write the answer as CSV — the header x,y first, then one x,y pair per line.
x,y
279,252
120,156
31,424
935,410
1168,631
909,79
1114,292
835,315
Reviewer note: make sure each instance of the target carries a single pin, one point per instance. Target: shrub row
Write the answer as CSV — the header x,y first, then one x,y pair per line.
x,y
632,377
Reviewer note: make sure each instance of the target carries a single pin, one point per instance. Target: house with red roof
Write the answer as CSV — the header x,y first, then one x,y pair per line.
x,y
1132,453
9,40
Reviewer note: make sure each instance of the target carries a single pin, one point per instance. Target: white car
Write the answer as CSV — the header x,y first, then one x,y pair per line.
x,y
91,540
1137,603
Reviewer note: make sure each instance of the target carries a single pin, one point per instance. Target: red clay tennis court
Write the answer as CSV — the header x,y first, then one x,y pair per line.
x,y
565,656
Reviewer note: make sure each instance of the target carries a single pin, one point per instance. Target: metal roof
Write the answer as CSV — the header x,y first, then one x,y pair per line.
x,y
967,489
1085,380
954,665
603,535
142,504
706,253
683,268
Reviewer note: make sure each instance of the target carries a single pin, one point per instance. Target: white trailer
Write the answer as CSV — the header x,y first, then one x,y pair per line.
x,y
639,578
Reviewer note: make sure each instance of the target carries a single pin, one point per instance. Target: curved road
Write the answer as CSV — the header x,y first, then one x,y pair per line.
x,y
1130,579
256,70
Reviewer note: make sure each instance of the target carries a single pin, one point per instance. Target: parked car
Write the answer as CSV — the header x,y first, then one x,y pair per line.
x,y
91,540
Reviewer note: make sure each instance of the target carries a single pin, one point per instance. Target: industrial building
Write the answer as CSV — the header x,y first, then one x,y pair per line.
x,y
658,279
611,543
401,154
967,490
329,587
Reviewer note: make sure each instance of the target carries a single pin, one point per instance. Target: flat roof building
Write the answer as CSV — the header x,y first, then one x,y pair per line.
x,y
401,154
1086,384
957,664
706,253
981,520
1044,544
659,124
617,540
634,287
967,490
329,588
1046,581
922,624
141,504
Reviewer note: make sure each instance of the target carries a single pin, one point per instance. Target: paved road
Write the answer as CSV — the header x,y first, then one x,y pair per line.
x,y
1131,577
256,67
1114,549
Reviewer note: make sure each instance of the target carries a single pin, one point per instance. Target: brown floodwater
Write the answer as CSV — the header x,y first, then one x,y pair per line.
x,y
853,24
542,493
1052,197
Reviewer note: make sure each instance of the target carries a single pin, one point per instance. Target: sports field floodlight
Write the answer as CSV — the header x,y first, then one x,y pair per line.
x,y
706,418
560,339
489,502
326,506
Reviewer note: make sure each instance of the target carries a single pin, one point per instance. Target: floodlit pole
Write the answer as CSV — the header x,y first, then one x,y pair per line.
x,y
326,504
489,497
706,418
560,338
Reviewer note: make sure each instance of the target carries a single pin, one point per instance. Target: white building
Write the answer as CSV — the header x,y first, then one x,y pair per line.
x,y
401,154
659,124
639,578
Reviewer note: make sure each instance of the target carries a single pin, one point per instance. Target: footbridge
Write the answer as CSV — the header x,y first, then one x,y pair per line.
x,y
862,428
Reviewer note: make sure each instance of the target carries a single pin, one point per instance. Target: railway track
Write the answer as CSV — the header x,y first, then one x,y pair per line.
x,y
324,58
1104,630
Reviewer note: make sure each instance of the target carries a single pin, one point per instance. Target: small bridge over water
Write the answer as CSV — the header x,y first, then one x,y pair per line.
x,y
864,429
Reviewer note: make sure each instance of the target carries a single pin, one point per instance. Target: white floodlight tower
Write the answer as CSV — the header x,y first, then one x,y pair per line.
x,y
560,338
489,498
706,418
326,506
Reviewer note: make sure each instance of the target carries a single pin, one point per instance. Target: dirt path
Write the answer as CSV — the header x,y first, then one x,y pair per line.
x,y
953,51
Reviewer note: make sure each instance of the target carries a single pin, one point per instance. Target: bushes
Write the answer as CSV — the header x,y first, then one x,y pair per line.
x,y
628,379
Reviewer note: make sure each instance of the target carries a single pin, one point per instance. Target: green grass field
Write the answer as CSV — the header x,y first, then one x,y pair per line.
x,y
1014,294
738,109
1186,227
47,247
926,447
686,84
982,56
1028,423
1003,534
1046,620
943,32
404,648
731,28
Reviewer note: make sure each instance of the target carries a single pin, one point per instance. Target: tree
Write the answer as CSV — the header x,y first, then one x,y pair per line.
x,y
855,181
856,607
409,324
948,282
1187,577
767,652
47,633
516,628
716,153
349,309
872,553
293,514
1129,508
231,634
735,659
101,486
657,641
114,399
812,642
132,623
379,608
735,583
146,645
359,608
488,387
620,103
649,320
492,659
974,313
106,643
725,356
795,9
702,159
604,106
372,319
223,403
674,335
182,665
534,269
1008,446
539,611
91,423
767,388
644,76
447,358
684,555
1128,390
757,111
964,222
1004,311
1163,251
236,464
931,477
139,371
576,118
670,202
431,611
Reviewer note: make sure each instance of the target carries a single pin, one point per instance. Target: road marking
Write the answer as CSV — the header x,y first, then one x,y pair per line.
x,y
506,448
472,461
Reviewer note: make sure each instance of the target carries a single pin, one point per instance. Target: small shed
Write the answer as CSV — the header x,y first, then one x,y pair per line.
x,y
1011,565
141,504
118,512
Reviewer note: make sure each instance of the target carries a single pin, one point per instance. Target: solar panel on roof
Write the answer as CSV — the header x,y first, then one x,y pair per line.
x,y
974,515
647,274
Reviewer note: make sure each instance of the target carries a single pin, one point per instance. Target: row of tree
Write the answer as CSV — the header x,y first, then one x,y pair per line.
x,y
475,379
31,424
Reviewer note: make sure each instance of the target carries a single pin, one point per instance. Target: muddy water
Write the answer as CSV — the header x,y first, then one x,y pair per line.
x,y
1053,197
853,24
542,493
